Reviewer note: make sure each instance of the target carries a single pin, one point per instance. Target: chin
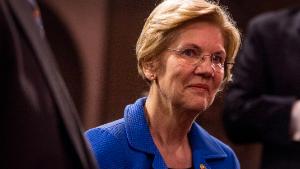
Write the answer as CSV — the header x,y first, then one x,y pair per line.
x,y
198,106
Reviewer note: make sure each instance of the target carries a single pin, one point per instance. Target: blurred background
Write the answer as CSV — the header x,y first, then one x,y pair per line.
x,y
94,42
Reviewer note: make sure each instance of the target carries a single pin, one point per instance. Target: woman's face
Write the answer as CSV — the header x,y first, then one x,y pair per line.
x,y
186,81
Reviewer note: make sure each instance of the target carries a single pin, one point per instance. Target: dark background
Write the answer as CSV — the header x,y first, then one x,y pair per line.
x,y
94,42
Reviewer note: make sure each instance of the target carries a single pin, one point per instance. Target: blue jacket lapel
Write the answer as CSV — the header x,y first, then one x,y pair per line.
x,y
204,147
138,133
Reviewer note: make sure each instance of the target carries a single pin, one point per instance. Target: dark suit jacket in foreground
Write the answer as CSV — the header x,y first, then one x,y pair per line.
x,y
38,128
266,83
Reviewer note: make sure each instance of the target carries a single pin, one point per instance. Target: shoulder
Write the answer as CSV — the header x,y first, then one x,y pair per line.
x,y
216,141
228,150
274,20
217,153
231,158
112,128
109,142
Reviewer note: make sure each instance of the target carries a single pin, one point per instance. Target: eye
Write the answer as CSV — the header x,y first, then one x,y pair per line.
x,y
218,59
189,52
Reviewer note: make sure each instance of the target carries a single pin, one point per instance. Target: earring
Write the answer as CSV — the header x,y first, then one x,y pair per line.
x,y
152,77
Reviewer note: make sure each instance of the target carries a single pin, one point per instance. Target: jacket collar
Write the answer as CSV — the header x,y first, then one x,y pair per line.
x,y
138,133
139,137
204,147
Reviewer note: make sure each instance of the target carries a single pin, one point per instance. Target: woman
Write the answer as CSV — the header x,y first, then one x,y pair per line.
x,y
182,53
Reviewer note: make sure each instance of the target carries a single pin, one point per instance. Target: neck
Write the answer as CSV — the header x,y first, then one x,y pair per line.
x,y
164,125
169,126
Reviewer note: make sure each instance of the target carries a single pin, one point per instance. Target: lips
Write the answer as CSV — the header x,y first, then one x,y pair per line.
x,y
199,86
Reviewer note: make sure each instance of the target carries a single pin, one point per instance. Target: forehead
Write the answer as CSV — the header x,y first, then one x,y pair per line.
x,y
202,34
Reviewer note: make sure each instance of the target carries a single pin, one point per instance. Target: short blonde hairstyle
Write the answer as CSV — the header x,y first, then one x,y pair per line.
x,y
169,16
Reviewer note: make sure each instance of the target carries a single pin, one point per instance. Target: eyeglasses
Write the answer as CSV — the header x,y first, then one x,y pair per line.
x,y
194,56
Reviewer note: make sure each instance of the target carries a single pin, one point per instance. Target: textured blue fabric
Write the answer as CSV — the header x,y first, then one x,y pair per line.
x,y
127,144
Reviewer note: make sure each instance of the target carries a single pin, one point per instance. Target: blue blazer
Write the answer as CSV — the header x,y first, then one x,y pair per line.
x,y
127,143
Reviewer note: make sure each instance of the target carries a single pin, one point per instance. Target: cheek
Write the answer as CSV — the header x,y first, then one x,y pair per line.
x,y
175,78
217,81
176,70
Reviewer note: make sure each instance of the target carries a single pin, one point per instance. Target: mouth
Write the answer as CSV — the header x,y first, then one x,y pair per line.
x,y
199,87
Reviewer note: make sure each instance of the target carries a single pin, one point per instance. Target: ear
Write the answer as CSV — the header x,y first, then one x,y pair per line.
x,y
149,69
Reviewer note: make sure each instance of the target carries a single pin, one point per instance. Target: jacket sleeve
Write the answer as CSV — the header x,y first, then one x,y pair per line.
x,y
252,111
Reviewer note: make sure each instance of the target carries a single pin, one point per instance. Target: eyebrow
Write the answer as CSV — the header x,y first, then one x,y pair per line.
x,y
192,45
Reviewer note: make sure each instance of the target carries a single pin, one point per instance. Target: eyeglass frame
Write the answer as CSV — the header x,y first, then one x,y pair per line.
x,y
221,66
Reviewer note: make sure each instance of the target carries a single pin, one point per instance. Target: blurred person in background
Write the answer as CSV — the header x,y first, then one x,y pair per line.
x,y
39,127
183,53
262,104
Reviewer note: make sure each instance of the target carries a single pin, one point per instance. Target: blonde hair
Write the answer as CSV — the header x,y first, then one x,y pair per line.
x,y
166,19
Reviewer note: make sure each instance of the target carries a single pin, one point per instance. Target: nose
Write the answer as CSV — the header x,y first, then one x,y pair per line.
x,y
205,68
205,57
